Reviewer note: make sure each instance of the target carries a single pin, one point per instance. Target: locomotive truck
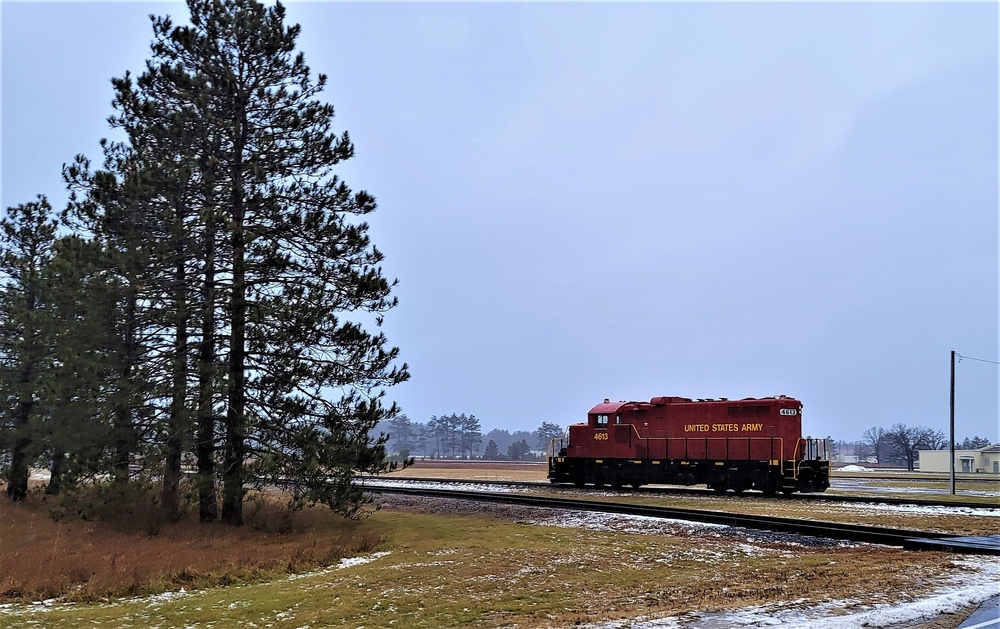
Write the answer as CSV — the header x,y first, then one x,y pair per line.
x,y
753,443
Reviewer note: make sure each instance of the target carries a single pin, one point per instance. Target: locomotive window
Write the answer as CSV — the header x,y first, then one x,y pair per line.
x,y
618,419
602,421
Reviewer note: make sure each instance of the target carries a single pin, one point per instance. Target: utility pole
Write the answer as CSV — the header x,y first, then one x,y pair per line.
x,y
951,460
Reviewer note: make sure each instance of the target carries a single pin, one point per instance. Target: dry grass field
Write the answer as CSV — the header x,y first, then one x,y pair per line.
x,y
431,563
87,560
438,565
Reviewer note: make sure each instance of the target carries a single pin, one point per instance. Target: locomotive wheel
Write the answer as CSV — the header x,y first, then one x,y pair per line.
x,y
636,485
720,482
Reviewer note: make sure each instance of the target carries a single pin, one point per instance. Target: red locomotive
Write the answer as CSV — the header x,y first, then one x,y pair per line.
x,y
725,444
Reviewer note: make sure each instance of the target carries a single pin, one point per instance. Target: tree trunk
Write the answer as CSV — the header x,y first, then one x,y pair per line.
x,y
56,473
17,476
232,485
177,425
208,508
123,413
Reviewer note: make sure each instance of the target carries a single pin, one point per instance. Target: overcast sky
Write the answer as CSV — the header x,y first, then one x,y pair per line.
x,y
590,200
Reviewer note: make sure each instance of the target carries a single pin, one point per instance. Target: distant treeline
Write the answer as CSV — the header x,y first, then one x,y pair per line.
x,y
460,436
900,445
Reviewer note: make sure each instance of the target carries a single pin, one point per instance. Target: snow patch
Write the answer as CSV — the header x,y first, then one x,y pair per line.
x,y
494,489
347,562
977,583
645,525
638,524
166,597
870,486
874,507
854,468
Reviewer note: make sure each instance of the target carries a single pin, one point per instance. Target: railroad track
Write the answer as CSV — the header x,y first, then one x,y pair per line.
x,y
921,479
909,539
921,502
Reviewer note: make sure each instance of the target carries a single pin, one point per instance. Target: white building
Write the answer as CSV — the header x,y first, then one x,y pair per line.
x,y
966,461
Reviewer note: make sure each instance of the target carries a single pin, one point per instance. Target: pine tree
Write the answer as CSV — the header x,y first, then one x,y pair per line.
x,y
471,433
974,443
115,207
171,114
78,308
165,132
518,450
27,235
546,432
401,432
157,180
297,260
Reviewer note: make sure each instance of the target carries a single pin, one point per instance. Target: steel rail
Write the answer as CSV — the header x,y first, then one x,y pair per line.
x,y
910,539
919,502
921,479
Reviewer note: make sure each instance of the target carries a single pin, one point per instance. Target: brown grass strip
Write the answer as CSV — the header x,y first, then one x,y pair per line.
x,y
125,554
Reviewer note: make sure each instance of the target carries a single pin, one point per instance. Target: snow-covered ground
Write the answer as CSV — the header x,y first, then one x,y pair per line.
x,y
930,487
748,544
980,581
875,507
496,489
872,486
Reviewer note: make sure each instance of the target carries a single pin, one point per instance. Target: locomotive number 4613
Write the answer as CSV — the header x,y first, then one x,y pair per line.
x,y
601,436
789,411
